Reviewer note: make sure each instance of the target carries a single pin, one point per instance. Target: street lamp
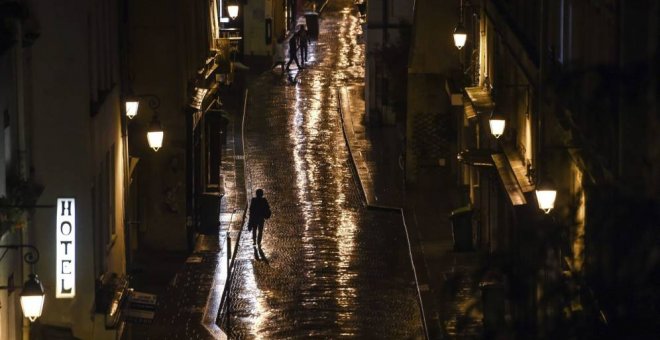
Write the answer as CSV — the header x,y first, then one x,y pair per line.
x,y
545,196
155,134
132,106
460,35
32,296
497,124
232,10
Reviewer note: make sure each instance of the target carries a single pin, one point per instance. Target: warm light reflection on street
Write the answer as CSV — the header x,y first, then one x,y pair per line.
x,y
328,267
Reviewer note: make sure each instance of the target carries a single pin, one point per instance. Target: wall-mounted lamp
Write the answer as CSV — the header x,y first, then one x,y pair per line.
x,y
546,194
460,33
132,104
155,134
32,298
232,10
132,108
32,295
497,124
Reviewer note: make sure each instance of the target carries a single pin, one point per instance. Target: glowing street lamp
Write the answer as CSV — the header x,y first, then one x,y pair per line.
x,y
460,35
497,124
132,106
32,298
232,10
545,196
155,134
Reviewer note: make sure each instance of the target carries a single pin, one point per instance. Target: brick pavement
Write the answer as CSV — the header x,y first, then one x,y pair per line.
x,y
328,267
447,279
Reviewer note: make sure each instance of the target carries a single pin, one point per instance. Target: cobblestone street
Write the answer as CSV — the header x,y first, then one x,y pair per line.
x,y
328,267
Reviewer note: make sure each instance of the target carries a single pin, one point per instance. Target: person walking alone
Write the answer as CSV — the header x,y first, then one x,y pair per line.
x,y
303,43
293,51
259,213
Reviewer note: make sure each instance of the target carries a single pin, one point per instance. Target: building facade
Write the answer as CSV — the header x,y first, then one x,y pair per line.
x,y
64,136
387,39
576,100
68,69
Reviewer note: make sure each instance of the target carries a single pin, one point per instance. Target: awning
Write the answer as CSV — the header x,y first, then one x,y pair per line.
x,y
469,110
198,97
509,180
480,99
476,157
202,101
518,167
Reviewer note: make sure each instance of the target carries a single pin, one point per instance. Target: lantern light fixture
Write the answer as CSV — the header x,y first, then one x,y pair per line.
x,y
497,123
460,35
32,298
546,194
232,10
132,106
32,295
155,134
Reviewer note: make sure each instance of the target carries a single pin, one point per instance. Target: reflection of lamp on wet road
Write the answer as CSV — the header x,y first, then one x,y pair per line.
x,y
155,134
32,296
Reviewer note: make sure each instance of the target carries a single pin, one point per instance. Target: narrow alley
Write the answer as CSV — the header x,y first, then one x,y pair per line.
x,y
328,267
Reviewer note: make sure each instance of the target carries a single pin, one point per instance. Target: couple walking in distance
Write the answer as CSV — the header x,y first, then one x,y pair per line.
x,y
297,44
259,213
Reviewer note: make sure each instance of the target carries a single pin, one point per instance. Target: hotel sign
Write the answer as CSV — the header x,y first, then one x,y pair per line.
x,y
66,248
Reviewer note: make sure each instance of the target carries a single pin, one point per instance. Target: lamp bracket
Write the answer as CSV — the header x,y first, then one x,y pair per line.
x,y
152,99
30,257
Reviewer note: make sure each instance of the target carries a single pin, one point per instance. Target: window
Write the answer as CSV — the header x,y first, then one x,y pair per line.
x,y
565,31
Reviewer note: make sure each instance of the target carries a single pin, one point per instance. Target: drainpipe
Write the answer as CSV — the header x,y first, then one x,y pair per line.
x,y
385,23
22,145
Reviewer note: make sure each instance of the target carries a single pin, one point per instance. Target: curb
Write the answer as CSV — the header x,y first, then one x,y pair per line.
x,y
376,207
234,251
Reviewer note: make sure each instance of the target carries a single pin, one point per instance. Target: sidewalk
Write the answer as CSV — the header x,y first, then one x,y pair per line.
x,y
189,307
447,280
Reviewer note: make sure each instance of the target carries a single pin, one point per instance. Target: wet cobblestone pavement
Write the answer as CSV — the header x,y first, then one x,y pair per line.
x,y
328,267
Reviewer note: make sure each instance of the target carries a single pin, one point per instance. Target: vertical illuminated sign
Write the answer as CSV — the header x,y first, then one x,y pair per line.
x,y
66,248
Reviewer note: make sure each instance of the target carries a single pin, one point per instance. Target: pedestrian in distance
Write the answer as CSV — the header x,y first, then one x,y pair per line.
x,y
259,213
303,43
293,51
279,59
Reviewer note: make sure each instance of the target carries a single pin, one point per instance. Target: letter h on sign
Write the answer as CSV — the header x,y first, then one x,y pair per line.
x,y
66,248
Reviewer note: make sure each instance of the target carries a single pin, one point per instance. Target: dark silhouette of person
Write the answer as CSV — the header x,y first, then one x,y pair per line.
x,y
279,59
293,51
259,213
303,41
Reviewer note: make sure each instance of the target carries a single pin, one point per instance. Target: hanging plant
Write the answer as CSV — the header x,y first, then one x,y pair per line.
x,y
21,196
